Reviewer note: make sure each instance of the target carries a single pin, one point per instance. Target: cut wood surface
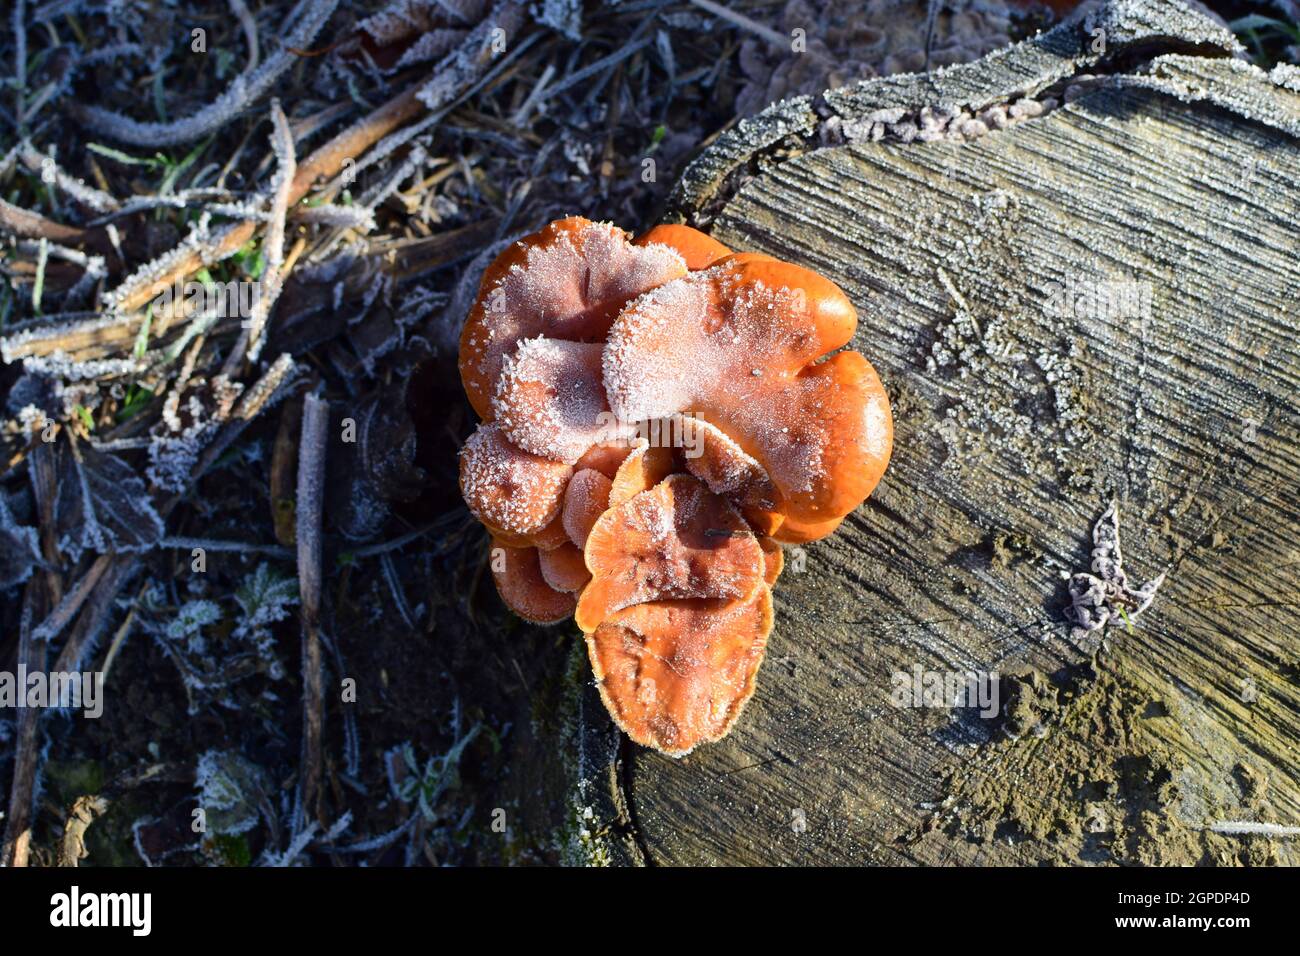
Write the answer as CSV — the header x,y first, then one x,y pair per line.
x,y
1095,304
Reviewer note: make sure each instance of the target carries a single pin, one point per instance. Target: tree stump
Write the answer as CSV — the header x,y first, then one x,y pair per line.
x,y
1097,302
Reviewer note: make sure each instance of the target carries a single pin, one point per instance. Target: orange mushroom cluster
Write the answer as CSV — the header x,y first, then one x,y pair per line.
x,y
658,416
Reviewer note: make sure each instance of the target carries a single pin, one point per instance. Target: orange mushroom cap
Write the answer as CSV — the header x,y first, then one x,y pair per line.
x,y
644,467
822,431
566,281
585,500
801,532
676,674
665,556
564,568
698,249
517,573
550,401
677,540
605,458
507,488
723,465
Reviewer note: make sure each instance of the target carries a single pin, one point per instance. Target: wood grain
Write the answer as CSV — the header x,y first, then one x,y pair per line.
x,y
1011,439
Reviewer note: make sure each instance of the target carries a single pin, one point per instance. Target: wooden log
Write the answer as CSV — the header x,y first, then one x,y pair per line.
x,y
1097,303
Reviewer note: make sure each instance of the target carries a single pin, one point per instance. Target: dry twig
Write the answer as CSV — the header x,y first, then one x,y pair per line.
x,y
311,485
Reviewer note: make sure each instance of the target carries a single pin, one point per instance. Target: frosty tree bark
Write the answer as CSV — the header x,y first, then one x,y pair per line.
x,y
990,273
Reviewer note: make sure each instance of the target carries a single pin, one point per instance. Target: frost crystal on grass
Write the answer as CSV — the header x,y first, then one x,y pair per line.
x,y
187,626
1097,597
172,457
265,598
431,824
210,660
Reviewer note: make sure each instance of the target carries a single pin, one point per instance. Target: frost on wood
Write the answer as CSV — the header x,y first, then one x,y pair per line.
x,y
272,280
242,93
402,19
151,278
437,26
1104,593
102,505
562,15
463,66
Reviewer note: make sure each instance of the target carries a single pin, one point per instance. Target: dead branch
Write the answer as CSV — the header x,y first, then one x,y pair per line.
x,y
42,591
250,338
30,225
247,88
311,485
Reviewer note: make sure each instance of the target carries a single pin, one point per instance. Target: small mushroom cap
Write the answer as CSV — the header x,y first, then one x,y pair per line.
x,y
821,431
605,458
644,467
677,540
565,281
508,489
698,249
550,401
564,568
585,500
518,576
676,674
553,535
721,464
549,538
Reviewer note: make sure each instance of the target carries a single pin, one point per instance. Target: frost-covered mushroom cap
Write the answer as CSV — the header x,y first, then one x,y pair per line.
x,y
566,281
550,401
508,489
522,583
676,674
677,540
698,249
738,345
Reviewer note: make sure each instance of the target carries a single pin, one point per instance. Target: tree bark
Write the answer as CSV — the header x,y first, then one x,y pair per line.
x,y
1097,303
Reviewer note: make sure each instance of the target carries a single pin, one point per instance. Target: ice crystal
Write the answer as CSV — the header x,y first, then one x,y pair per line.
x,y
102,504
231,790
246,89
